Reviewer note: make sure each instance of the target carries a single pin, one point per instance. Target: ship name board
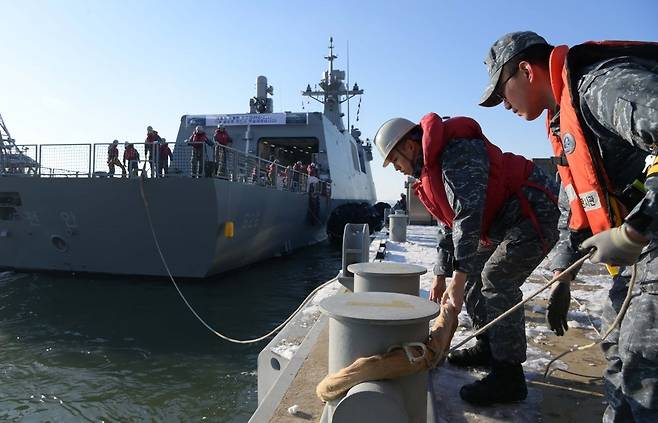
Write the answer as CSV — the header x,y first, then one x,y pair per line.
x,y
237,119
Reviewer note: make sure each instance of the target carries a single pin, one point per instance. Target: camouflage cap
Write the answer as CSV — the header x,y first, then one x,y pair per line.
x,y
505,48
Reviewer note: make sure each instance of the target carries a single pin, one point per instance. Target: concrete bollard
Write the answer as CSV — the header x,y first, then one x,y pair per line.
x,y
397,227
387,277
356,249
368,323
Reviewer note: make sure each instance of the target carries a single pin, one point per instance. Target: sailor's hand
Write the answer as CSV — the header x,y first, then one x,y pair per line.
x,y
455,291
438,288
619,246
558,306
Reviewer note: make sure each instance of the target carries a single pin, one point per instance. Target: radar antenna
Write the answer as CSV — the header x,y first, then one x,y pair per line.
x,y
333,91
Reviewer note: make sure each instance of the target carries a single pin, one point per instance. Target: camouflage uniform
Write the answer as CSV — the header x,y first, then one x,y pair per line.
x,y
495,272
619,104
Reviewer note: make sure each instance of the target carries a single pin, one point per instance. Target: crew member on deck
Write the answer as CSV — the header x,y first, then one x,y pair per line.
x,y
113,159
498,216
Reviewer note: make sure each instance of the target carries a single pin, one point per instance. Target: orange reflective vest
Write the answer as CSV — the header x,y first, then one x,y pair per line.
x,y
588,188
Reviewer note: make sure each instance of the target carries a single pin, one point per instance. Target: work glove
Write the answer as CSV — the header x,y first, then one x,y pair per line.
x,y
558,307
613,247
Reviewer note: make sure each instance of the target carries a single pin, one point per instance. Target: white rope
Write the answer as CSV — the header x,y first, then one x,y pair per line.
x,y
522,303
189,306
615,323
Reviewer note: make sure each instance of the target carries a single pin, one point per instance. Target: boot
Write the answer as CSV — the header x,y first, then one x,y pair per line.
x,y
477,356
505,384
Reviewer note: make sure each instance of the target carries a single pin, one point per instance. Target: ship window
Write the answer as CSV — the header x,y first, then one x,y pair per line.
x,y
355,157
10,199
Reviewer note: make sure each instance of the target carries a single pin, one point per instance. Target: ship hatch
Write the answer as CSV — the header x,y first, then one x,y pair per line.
x,y
289,150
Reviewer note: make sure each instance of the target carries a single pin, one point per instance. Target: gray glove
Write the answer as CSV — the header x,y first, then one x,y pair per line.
x,y
613,247
558,307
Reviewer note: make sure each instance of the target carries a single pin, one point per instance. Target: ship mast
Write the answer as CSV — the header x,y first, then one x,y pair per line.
x,y
333,91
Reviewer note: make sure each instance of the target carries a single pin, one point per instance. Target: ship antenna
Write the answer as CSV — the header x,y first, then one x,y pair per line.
x,y
349,128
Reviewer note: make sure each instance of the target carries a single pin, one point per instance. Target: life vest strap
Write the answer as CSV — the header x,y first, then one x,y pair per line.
x,y
560,161
529,212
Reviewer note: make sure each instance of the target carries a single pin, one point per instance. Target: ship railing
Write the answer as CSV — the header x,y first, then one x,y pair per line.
x,y
152,160
207,160
65,160
140,159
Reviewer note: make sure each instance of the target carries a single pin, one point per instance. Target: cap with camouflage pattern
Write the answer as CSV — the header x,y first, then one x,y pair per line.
x,y
505,48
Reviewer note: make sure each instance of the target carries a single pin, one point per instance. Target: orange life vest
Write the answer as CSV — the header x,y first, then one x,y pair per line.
x,y
588,188
508,172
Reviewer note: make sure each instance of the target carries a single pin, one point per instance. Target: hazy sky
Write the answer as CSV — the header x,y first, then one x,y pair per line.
x,y
92,71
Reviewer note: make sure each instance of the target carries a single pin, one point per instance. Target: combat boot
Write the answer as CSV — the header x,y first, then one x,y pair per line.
x,y
477,356
505,384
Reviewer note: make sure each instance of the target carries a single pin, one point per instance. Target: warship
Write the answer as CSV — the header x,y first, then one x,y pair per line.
x,y
270,192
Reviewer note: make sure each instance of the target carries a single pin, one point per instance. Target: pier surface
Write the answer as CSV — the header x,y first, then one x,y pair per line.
x,y
561,397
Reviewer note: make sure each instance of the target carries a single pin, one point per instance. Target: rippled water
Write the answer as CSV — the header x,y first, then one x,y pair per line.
x,y
80,348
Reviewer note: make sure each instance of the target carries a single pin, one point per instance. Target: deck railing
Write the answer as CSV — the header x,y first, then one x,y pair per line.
x,y
190,160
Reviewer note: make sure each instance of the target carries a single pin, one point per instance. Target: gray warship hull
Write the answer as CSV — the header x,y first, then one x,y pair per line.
x,y
101,225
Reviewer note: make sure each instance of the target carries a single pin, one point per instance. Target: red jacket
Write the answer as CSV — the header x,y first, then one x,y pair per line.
x,y
152,137
311,170
507,172
197,140
165,152
222,137
130,153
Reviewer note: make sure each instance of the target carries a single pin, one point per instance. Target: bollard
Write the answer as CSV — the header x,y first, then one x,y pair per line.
x,y
372,402
368,323
387,277
356,248
387,212
397,227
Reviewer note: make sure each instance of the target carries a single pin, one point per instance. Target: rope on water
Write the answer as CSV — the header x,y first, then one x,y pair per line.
x,y
189,306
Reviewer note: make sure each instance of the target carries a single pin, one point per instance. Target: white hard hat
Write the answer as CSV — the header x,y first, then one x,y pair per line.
x,y
390,133
198,129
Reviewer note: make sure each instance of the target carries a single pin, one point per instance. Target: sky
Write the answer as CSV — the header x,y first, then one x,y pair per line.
x,y
92,71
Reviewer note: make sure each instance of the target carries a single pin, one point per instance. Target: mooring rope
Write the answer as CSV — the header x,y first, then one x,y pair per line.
x,y
615,323
187,303
521,303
